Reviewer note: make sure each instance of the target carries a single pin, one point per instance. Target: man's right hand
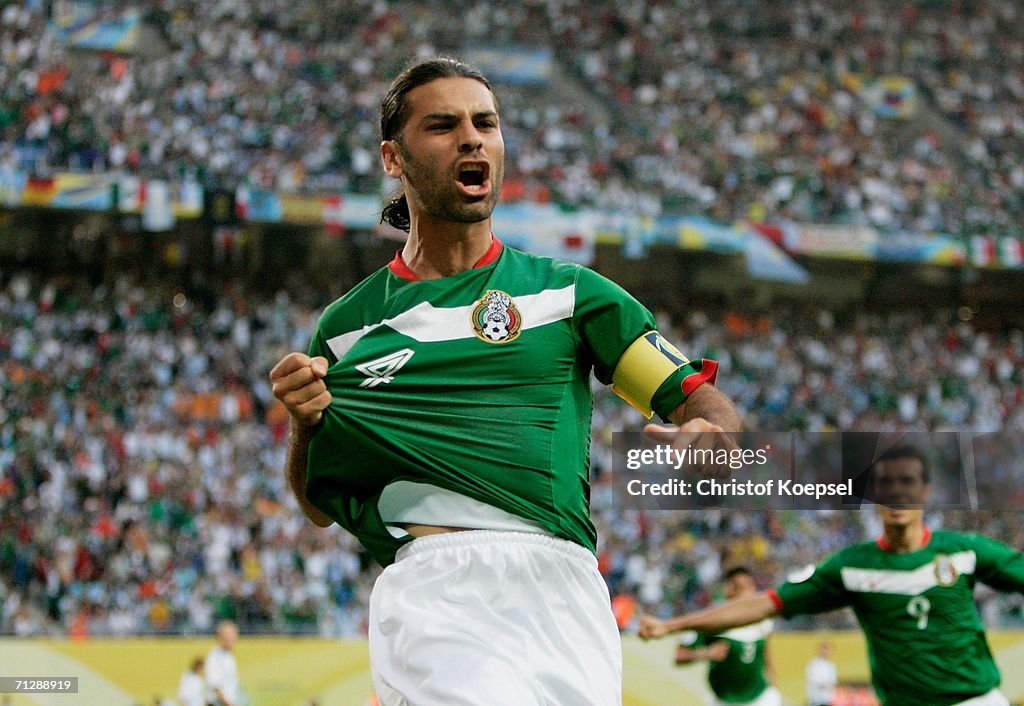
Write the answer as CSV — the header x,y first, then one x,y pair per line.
x,y
297,381
651,628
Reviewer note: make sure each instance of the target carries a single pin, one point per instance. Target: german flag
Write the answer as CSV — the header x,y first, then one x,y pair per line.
x,y
39,191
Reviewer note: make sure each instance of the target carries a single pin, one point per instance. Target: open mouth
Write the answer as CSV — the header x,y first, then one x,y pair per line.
x,y
473,177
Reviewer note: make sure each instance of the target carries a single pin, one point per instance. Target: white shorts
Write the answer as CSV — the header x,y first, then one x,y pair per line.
x,y
496,618
992,698
769,697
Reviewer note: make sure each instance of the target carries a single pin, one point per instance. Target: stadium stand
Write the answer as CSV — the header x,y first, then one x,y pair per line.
x,y
140,457
816,111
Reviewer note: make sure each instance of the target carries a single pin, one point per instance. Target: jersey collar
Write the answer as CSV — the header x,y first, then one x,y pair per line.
x,y
400,269
884,545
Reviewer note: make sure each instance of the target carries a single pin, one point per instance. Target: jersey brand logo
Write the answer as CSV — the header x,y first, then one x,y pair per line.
x,y
496,319
382,370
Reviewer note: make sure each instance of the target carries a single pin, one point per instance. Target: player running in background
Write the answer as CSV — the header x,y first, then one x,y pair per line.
x,y
450,391
740,669
912,591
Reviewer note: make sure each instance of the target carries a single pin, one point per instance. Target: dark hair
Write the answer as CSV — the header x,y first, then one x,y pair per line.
x,y
738,571
394,113
901,452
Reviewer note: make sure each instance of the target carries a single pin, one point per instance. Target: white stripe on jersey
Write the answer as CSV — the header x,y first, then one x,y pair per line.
x,y
750,633
904,583
427,323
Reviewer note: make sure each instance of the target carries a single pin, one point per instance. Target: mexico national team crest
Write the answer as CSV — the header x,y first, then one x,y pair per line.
x,y
496,319
945,571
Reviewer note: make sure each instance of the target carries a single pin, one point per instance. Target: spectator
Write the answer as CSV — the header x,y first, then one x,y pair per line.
x,y
731,109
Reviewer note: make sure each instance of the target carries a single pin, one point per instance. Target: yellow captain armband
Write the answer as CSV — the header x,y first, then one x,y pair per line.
x,y
655,377
641,370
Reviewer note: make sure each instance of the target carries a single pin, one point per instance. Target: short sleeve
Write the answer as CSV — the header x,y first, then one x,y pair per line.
x,y
608,320
619,335
998,565
815,589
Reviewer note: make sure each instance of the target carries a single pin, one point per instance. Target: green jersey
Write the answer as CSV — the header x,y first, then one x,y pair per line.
x,y
926,642
477,383
740,677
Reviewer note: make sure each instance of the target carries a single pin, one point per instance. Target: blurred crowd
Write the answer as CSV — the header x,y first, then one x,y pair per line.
x,y
733,109
771,110
141,488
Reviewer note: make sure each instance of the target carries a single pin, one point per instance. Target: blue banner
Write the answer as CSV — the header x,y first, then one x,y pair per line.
x,y
81,26
518,66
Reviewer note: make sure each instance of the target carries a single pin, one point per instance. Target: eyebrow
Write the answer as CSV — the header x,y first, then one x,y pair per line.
x,y
453,116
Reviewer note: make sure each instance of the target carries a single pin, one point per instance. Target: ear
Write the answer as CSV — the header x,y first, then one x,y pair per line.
x,y
391,155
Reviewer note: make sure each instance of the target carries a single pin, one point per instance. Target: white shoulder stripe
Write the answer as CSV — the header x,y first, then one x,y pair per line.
x,y
904,583
340,345
548,306
427,323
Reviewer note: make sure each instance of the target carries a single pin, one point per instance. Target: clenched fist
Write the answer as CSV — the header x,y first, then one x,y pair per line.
x,y
297,380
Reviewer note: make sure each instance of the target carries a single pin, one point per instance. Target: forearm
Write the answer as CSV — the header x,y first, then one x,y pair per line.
x,y
295,467
686,655
733,614
711,404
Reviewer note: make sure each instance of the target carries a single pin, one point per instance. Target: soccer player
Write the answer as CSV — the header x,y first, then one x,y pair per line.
x,y
449,392
912,591
739,657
